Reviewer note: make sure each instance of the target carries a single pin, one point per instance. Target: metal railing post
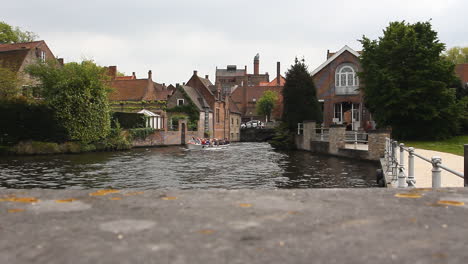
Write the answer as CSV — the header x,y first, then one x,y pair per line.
x,y
436,172
355,139
395,160
321,134
411,179
401,169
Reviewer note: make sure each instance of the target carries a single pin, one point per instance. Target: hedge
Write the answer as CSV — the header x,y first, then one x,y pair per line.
x,y
129,120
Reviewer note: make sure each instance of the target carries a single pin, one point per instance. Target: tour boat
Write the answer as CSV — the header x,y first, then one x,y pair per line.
x,y
192,146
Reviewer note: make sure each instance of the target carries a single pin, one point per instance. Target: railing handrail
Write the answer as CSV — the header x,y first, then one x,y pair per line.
x,y
394,165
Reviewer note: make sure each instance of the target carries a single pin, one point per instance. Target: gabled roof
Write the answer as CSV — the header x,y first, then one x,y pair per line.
x,y
18,46
137,90
332,58
273,83
233,107
205,82
147,113
196,97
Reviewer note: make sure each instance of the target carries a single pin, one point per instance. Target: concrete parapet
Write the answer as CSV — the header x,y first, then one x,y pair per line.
x,y
376,143
337,138
309,134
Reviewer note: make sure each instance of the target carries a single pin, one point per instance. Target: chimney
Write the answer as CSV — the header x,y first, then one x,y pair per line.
x,y
218,86
195,73
328,54
278,73
183,83
245,68
177,85
133,75
113,72
257,64
60,61
150,75
206,77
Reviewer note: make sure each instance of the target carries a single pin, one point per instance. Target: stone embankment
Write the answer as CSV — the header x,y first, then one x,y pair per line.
x,y
245,226
256,134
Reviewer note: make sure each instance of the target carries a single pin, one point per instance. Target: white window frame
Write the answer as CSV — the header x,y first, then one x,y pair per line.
x,y
43,56
180,100
343,78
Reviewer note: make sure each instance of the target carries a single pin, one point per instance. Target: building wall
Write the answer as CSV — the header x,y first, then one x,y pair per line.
x,y
325,85
234,131
32,58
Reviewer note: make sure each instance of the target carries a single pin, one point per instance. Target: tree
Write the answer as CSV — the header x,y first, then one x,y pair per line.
x,y
299,97
457,55
266,103
407,82
8,83
8,34
77,92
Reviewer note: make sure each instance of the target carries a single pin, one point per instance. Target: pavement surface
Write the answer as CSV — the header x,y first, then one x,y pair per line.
x,y
423,173
235,226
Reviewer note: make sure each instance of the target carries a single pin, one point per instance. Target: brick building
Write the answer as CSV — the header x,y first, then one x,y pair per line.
x,y
220,105
18,56
183,95
133,95
461,70
246,89
338,91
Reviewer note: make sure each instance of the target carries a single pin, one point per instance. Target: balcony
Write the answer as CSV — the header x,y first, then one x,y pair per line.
x,y
347,90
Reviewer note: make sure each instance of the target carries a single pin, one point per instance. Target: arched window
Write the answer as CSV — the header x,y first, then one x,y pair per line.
x,y
346,76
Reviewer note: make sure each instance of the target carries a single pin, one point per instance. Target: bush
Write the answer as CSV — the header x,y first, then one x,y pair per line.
x,y
140,133
22,119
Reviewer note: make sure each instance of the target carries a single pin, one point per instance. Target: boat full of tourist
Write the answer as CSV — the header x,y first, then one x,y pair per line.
x,y
207,143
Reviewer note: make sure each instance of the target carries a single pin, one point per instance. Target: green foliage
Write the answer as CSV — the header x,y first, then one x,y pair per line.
x,y
190,109
8,34
9,83
129,120
25,119
457,55
266,103
406,82
283,138
452,145
77,92
463,106
300,97
141,133
116,140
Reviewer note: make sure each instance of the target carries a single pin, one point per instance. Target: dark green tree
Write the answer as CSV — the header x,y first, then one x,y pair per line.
x,y
407,82
299,97
77,92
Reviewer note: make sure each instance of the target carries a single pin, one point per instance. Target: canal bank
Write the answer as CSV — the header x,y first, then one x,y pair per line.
x,y
238,226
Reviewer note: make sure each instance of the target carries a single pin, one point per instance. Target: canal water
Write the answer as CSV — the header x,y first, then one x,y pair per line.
x,y
241,165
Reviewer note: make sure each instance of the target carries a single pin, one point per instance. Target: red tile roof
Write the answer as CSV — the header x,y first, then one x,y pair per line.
x,y
131,77
273,83
17,46
462,72
137,90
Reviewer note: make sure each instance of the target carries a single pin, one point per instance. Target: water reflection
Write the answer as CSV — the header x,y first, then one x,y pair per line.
x,y
242,165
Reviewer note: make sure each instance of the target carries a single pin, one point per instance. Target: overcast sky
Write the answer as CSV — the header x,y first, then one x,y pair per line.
x,y
175,37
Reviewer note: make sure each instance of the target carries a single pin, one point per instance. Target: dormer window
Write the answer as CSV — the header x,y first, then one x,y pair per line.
x,y
346,76
180,102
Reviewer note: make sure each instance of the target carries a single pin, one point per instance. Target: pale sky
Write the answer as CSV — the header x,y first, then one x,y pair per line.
x,y
173,38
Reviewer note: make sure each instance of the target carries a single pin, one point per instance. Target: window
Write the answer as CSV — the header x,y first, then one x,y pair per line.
x,y
43,56
180,102
337,115
232,120
217,115
346,76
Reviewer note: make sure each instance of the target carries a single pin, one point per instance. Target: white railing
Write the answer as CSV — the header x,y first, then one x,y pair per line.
x,y
300,128
322,134
356,137
395,165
